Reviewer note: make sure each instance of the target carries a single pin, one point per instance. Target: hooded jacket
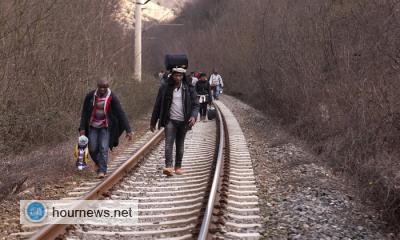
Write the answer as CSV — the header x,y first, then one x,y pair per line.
x,y
162,106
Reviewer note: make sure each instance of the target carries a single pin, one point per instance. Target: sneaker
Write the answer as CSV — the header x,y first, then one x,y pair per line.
x,y
178,171
101,175
168,171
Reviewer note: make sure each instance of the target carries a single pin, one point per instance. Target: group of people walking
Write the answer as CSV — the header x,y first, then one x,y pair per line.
x,y
179,100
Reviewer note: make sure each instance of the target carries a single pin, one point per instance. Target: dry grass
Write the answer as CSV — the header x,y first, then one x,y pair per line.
x,y
52,164
51,54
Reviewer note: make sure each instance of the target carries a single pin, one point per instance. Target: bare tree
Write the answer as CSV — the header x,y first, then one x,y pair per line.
x,y
329,69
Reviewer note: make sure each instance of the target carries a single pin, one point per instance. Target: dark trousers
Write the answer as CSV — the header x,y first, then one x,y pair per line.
x,y
175,131
203,109
99,139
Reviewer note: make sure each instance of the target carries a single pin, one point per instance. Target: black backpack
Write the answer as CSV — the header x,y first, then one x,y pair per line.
x,y
178,60
211,113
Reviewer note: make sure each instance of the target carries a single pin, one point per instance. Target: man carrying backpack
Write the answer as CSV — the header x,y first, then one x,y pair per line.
x,y
176,109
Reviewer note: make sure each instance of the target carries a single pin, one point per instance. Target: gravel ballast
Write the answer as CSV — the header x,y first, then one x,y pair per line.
x,y
299,197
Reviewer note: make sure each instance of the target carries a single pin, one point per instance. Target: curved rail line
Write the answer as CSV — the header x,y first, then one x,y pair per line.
x,y
215,198
205,226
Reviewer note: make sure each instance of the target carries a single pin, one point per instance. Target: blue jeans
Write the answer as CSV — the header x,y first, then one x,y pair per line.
x,y
217,91
99,139
175,132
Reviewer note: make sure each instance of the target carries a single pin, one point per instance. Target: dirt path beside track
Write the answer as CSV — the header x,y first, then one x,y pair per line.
x,y
50,173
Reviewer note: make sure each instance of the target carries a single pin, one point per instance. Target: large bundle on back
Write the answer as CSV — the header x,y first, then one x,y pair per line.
x,y
176,61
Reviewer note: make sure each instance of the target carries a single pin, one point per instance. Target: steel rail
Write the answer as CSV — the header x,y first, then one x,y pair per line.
x,y
204,229
55,230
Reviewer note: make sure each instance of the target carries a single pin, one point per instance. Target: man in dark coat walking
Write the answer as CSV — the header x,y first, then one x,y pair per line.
x,y
176,110
203,90
103,121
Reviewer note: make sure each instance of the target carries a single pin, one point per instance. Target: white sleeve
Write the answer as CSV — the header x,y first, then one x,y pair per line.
x,y
220,80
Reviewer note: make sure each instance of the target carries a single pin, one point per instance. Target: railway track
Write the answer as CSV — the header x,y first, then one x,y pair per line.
x,y
215,198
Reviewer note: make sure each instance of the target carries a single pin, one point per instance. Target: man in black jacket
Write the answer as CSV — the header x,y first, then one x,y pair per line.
x,y
103,121
203,91
176,109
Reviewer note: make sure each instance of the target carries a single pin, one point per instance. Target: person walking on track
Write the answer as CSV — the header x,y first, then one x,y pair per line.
x,y
203,92
103,121
194,77
176,109
161,76
216,84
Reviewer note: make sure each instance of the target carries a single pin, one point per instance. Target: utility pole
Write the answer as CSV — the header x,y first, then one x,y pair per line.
x,y
138,40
